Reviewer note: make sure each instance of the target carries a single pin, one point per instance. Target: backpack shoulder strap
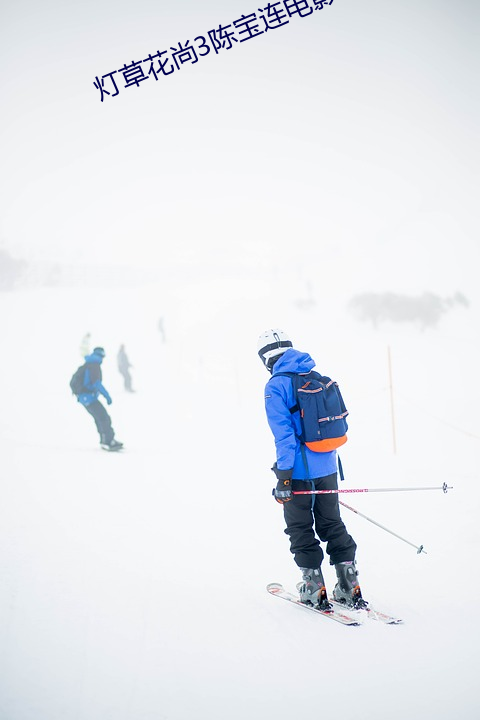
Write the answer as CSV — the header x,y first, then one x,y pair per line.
x,y
86,376
293,377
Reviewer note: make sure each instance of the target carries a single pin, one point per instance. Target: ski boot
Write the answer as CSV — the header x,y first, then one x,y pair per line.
x,y
312,589
347,590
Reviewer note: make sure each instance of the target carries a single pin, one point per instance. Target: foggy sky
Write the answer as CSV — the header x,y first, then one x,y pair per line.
x,y
350,133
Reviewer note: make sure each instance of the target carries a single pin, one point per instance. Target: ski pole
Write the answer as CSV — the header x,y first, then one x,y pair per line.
x,y
443,487
419,548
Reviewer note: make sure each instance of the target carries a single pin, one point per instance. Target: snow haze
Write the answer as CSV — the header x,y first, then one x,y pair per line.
x,y
265,186
133,585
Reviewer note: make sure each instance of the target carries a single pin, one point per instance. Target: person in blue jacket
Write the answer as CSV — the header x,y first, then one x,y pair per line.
x,y
309,518
92,388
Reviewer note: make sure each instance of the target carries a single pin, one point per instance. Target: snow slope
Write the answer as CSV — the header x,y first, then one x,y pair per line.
x,y
133,585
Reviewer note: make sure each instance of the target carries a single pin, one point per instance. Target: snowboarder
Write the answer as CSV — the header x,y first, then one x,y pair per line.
x,y
123,364
85,345
88,397
308,518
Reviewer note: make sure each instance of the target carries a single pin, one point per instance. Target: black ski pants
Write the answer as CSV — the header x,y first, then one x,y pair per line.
x,y
310,517
102,421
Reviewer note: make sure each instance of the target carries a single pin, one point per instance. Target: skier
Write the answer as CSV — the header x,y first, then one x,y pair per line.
x,y
308,518
123,364
88,397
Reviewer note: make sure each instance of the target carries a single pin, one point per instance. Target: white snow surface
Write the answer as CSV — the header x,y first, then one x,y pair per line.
x,y
133,584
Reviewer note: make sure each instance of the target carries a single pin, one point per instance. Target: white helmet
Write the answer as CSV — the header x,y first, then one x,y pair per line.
x,y
271,344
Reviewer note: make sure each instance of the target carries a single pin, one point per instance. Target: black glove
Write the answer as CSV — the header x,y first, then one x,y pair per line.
x,y
283,492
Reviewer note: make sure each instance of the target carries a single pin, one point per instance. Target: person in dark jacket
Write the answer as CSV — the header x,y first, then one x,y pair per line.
x,y
93,387
124,366
309,518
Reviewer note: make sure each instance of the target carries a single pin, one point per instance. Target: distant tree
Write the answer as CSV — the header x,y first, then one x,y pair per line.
x,y
460,299
10,270
427,309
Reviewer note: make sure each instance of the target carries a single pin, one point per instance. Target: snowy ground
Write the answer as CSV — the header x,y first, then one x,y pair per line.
x,y
133,585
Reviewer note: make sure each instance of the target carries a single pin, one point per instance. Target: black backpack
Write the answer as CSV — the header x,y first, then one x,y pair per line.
x,y
77,382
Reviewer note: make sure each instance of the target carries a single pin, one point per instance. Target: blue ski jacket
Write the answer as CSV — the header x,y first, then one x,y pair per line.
x,y
93,381
285,426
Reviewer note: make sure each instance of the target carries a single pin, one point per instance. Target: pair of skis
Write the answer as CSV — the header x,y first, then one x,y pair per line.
x,y
338,613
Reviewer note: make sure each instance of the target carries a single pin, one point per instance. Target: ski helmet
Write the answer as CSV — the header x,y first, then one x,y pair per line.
x,y
99,351
271,344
